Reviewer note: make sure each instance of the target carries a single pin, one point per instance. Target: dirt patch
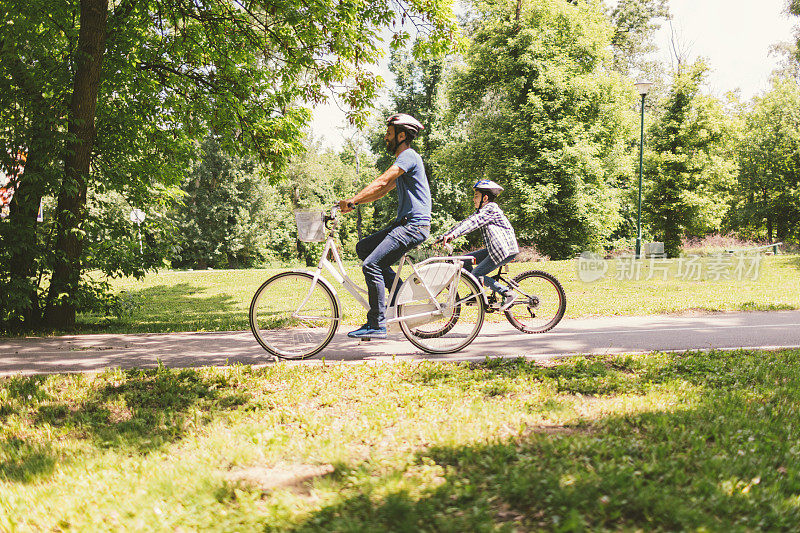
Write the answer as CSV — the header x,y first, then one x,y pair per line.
x,y
506,514
295,477
118,414
547,429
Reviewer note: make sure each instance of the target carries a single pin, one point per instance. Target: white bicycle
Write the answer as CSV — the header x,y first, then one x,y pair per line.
x,y
440,307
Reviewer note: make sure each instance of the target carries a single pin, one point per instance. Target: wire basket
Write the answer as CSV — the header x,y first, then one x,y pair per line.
x,y
310,225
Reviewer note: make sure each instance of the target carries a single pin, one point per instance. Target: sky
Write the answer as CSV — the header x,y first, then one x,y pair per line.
x,y
734,36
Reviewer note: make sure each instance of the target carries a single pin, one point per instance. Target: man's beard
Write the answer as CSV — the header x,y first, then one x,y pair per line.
x,y
391,146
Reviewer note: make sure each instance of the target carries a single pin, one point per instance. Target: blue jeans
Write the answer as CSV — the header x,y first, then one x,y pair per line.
x,y
379,252
484,266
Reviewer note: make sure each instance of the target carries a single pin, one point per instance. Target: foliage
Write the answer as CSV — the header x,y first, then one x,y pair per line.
x,y
635,22
539,111
222,219
317,179
691,169
116,95
231,217
768,194
118,247
794,9
418,84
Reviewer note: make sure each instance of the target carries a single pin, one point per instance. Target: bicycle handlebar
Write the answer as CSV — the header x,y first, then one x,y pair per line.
x,y
446,246
335,207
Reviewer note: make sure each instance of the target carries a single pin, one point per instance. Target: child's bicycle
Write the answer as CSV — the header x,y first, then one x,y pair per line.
x,y
440,307
540,300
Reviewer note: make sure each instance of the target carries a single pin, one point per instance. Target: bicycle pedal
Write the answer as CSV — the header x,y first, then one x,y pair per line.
x,y
364,339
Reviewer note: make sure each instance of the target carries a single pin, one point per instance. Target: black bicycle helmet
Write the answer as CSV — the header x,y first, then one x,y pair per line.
x,y
407,123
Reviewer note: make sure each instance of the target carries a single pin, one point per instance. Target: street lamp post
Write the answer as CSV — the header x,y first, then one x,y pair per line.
x,y
642,87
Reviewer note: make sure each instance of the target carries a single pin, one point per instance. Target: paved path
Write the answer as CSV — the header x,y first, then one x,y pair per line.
x,y
85,353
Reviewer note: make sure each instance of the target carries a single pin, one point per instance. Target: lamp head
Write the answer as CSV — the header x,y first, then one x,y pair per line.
x,y
643,87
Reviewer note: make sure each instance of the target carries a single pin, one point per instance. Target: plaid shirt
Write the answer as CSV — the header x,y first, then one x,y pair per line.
x,y
498,235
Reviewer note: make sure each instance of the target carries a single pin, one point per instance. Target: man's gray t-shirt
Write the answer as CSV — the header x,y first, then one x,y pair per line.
x,y
413,192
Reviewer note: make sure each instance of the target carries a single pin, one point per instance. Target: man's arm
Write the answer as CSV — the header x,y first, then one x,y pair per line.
x,y
377,189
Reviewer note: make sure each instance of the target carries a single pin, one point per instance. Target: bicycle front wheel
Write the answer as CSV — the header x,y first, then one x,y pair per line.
x,y
452,328
292,317
540,304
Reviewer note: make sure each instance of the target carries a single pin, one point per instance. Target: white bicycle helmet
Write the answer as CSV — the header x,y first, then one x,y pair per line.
x,y
409,124
488,187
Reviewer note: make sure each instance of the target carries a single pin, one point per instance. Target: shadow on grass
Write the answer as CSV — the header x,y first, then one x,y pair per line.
x,y
164,308
146,409
139,410
729,461
21,459
576,375
597,375
795,261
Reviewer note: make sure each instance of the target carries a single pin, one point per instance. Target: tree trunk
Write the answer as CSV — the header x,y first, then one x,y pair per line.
x,y
61,306
23,246
781,230
21,243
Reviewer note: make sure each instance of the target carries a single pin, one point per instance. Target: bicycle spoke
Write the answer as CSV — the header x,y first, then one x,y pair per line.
x,y
292,316
452,329
540,302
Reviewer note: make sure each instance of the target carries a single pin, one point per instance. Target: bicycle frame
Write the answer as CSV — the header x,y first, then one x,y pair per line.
x,y
337,271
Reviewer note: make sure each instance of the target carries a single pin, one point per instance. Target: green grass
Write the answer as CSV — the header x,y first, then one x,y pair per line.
x,y
660,442
219,300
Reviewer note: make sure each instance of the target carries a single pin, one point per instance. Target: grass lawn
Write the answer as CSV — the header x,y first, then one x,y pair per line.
x,y
219,300
659,442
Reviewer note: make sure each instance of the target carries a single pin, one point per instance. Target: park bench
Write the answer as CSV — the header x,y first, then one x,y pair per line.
x,y
756,248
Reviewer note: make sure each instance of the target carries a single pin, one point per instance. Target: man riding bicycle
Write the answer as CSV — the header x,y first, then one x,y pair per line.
x,y
410,228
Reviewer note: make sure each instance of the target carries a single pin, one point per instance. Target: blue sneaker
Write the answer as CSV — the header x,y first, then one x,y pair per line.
x,y
368,332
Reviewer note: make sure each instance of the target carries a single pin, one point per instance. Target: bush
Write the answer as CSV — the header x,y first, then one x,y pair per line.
x,y
530,253
715,244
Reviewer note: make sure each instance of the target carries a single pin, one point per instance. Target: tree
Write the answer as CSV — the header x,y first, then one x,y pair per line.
x,y
768,193
222,219
690,169
635,22
538,110
116,93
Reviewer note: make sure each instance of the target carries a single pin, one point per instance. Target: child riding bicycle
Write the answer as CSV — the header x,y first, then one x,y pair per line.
x,y
498,236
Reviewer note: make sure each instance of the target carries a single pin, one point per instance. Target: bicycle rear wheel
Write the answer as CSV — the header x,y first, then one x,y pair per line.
x,y
292,317
455,327
540,304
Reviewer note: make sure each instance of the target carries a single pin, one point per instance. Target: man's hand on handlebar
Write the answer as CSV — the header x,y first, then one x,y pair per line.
x,y
445,239
345,206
